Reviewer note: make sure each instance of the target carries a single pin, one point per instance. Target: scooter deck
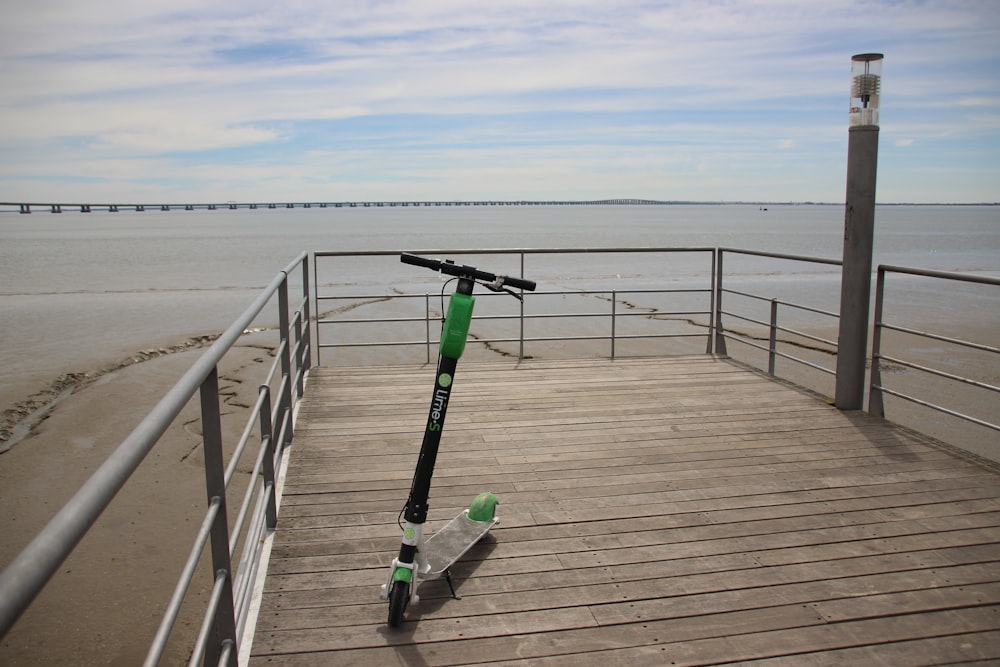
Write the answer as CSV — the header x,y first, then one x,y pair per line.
x,y
450,543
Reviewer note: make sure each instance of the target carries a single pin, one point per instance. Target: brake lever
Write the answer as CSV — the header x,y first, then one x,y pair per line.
x,y
497,286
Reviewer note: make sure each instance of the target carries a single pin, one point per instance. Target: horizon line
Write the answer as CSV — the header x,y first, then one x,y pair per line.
x,y
57,207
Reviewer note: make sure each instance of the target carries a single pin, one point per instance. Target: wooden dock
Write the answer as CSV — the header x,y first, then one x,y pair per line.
x,y
674,511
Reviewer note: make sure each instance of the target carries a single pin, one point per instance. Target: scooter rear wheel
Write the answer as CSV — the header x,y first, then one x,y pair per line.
x,y
399,598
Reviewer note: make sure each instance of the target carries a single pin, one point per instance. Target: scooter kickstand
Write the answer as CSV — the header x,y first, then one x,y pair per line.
x,y
447,577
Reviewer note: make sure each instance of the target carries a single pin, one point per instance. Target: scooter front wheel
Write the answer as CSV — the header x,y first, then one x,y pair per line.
x,y
399,598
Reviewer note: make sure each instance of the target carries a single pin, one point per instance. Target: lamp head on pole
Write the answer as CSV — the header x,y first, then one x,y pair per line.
x,y
866,86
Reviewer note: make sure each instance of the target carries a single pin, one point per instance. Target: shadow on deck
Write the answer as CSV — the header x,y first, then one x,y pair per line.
x,y
653,511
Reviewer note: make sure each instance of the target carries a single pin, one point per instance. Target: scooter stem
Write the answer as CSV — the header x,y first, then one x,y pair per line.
x,y
416,505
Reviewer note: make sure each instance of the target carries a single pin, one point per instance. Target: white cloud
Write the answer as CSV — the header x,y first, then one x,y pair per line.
x,y
155,79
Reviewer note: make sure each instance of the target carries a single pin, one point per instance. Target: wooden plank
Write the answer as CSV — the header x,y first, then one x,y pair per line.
x,y
959,649
698,573
374,634
790,503
879,639
661,596
683,510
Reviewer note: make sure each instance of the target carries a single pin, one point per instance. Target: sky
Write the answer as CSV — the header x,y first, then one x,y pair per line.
x,y
204,101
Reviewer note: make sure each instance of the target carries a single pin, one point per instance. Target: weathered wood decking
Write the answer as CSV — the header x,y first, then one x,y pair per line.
x,y
654,511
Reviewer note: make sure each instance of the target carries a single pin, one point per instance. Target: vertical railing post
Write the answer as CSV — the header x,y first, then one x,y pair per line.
x,y
520,349
224,624
267,440
773,344
709,344
614,301
306,316
427,323
875,404
285,400
315,291
297,358
720,335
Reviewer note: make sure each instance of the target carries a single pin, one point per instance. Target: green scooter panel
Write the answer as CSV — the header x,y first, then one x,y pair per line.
x,y
456,325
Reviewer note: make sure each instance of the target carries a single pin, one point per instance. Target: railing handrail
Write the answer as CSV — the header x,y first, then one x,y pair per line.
x,y
946,275
710,289
877,390
512,251
720,333
781,255
23,579
716,333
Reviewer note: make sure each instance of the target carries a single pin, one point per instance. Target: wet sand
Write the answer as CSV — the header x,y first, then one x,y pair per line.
x,y
103,606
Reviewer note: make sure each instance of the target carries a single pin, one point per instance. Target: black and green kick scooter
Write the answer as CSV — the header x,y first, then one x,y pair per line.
x,y
419,560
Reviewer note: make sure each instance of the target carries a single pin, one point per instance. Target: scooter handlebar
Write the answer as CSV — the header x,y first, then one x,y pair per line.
x,y
417,260
463,271
519,283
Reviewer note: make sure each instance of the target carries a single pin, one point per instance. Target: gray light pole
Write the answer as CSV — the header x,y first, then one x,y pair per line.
x,y
859,230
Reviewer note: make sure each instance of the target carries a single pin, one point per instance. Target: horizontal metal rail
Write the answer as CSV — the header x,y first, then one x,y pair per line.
x,y
537,339
832,344
792,304
611,315
771,349
943,275
772,325
516,251
522,253
523,316
878,390
944,339
776,327
939,373
780,255
938,408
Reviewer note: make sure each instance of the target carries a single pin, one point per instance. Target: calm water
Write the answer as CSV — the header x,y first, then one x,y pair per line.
x,y
80,290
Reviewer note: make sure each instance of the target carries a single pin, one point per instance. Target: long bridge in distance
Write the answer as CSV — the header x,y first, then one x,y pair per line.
x,y
233,205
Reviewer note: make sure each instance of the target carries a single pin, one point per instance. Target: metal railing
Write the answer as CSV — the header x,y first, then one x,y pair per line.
x,y
772,325
612,316
715,333
241,540
877,389
717,325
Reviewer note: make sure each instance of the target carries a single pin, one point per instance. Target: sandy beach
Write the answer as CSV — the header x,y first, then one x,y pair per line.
x,y
105,603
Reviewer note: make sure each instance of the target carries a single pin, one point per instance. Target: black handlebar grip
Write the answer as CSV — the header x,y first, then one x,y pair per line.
x,y
520,283
417,260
